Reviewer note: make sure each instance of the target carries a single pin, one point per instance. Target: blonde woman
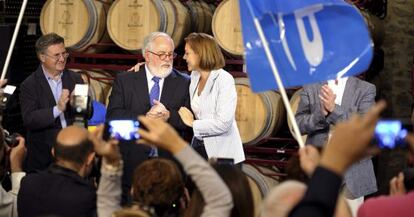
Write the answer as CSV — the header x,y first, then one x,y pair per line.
x,y
213,99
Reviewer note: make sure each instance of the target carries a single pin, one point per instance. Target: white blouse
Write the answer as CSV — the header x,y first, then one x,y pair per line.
x,y
195,104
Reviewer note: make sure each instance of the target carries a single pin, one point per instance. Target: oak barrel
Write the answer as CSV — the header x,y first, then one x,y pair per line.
x,y
130,21
80,22
257,115
294,104
226,27
260,184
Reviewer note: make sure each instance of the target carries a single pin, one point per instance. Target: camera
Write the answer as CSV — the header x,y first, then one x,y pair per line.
x,y
5,94
80,104
390,134
11,139
121,130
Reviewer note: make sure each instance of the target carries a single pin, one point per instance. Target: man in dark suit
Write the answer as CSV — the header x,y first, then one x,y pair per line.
x,y
62,189
322,106
44,100
157,91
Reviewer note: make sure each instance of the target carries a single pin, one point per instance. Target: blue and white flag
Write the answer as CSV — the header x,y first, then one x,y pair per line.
x,y
309,40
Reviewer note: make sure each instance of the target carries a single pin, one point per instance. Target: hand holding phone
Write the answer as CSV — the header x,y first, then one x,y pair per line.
x,y
121,130
391,134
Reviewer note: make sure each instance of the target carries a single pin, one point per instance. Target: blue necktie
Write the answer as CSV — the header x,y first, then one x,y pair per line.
x,y
155,90
154,94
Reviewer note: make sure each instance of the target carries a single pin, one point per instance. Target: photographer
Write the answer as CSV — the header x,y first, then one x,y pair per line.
x,y
8,200
398,203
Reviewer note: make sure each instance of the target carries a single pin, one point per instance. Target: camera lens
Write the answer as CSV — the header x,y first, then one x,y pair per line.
x,y
11,140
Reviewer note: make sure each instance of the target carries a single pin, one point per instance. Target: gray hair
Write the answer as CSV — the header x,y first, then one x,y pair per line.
x,y
147,44
46,40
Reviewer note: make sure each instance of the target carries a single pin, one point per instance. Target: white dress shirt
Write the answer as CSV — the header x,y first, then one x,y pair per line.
x,y
338,89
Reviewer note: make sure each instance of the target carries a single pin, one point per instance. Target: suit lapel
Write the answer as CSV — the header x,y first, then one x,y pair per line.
x,y
195,78
41,78
348,92
210,82
140,86
168,89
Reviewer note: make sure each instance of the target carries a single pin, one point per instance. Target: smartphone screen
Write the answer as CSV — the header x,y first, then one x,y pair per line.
x,y
121,130
391,134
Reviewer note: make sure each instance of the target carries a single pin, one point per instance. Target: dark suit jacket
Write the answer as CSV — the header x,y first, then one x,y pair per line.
x,y
358,97
37,102
56,191
130,98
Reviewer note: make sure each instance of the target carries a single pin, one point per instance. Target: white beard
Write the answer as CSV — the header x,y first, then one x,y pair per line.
x,y
160,71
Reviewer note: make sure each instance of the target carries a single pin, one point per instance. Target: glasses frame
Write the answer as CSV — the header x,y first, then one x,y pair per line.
x,y
57,57
163,56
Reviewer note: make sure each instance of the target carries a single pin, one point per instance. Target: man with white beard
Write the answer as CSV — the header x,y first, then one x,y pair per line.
x,y
157,91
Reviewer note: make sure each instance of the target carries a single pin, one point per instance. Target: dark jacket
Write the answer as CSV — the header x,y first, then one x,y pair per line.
x,y
37,102
57,191
130,98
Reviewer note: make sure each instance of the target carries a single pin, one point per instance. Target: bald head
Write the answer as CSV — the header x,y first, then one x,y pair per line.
x,y
72,135
72,145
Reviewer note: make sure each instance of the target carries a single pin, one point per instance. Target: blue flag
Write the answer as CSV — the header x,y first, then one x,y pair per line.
x,y
309,40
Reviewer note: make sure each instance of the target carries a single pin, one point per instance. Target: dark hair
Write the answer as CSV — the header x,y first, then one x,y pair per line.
x,y
158,183
75,153
239,187
206,47
46,40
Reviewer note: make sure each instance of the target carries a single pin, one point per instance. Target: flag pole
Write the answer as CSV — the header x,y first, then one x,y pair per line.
x,y
277,76
13,41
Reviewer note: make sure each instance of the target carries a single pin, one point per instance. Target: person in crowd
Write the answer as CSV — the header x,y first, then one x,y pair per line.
x,y
44,97
282,198
8,200
62,189
218,199
158,183
239,187
350,142
213,100
398,203
157,91
323,105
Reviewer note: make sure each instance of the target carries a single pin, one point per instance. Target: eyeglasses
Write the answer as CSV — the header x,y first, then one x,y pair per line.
x,y
164,56
58,56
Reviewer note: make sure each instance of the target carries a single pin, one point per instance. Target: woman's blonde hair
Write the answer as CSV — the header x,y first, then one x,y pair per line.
x,y
209,52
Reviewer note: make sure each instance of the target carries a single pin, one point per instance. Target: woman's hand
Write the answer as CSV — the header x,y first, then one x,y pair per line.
x,y
187,116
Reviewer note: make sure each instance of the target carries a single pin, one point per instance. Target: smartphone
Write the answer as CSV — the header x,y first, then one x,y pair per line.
x,y
121,130
390,134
